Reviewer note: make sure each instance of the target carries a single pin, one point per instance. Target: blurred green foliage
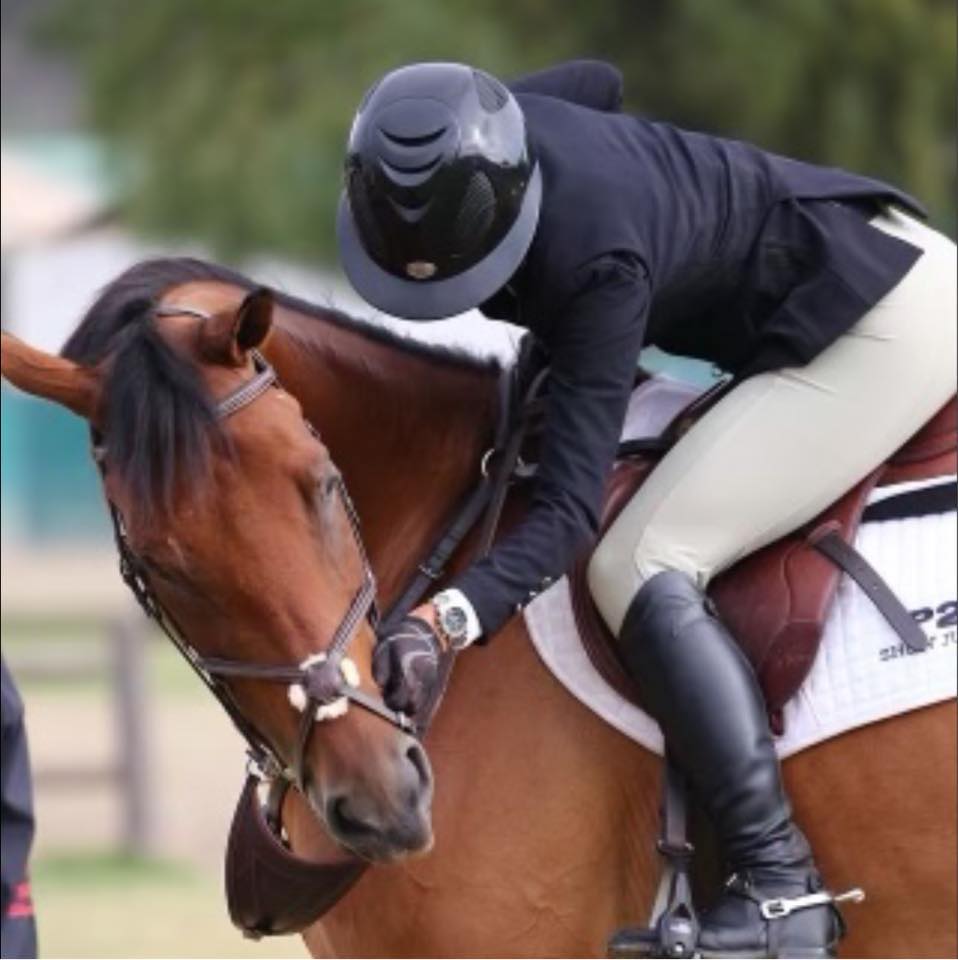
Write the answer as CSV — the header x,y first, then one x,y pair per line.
x,y
230,116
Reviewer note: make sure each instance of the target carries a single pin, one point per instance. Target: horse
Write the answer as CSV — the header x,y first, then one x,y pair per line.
x,y
533,833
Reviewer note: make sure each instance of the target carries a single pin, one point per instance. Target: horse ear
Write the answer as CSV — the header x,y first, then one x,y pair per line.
x,y
228,337
51,377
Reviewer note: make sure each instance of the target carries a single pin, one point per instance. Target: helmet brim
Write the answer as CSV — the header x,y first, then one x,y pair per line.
x,y
438,299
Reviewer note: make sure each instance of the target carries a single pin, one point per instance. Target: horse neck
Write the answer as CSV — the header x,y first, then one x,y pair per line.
x,y
408,436
406,432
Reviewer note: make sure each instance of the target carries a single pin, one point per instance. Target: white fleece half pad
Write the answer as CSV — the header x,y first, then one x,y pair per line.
x,y
863,672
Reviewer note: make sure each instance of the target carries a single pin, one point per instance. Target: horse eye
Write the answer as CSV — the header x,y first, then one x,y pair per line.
x,y
328,485
319,488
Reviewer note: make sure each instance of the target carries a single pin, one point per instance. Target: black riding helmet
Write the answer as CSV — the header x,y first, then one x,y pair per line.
x,y
441,192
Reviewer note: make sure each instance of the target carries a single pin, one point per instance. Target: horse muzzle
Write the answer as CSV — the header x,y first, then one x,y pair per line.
x,y
390,822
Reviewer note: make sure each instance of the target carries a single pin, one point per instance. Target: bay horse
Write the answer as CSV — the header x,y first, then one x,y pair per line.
x,y
544,817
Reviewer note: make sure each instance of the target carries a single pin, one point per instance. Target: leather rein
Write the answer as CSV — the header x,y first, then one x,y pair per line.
x,y
323,685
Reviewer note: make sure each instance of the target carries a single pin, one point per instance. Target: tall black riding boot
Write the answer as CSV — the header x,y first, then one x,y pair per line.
x,y
698,685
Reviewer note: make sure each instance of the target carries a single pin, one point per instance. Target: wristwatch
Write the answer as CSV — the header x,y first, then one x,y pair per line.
x,y
456,619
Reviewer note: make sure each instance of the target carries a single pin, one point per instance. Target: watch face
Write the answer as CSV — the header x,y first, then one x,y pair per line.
x,y
454,621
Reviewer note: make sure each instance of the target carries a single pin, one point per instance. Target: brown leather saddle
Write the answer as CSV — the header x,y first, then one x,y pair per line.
x,y
776,600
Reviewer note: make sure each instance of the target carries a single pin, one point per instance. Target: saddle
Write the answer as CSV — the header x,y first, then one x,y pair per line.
x,y
775,602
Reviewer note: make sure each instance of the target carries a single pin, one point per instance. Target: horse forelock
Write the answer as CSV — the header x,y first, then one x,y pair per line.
x,y
157,421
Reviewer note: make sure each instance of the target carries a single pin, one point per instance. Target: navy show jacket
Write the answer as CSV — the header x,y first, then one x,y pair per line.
x,y
649,234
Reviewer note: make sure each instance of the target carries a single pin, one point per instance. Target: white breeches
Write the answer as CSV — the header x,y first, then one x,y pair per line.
x,y
782,446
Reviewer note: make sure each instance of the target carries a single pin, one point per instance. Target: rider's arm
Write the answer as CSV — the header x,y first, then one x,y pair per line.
x,y
594,343
589,83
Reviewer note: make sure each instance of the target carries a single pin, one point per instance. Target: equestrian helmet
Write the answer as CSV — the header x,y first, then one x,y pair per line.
x,y
442,191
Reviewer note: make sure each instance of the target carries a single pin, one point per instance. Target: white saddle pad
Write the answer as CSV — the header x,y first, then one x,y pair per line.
x,y
863,672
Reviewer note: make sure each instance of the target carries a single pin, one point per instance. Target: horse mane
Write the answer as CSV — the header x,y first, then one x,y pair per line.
x,y
159,423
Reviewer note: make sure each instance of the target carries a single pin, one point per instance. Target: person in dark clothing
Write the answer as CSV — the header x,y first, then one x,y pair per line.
x,y
543,204
17,924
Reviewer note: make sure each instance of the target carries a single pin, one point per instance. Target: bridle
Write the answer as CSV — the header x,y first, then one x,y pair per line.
x,y
269,888
323,685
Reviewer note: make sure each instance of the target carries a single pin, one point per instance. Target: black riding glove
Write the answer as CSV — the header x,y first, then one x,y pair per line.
x,y
406,664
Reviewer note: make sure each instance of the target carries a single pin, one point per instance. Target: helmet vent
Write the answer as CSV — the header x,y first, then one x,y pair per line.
x,y
414,168
419,140
493,96
476,213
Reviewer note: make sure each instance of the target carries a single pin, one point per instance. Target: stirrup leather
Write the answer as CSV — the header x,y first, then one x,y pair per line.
x,y
673,929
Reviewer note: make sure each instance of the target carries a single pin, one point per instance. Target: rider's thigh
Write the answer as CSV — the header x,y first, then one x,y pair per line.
x,y
782,446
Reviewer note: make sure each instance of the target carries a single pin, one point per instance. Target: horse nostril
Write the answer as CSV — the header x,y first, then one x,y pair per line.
x,y
342,821
420,762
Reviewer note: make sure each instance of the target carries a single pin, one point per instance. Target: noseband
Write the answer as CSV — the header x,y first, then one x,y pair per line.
x,y
323,685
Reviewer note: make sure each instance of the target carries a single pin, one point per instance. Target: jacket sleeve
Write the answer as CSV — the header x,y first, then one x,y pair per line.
x,y
589,83
594,349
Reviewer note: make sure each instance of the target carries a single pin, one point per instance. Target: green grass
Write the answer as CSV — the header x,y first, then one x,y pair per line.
x,y
103,905
68,870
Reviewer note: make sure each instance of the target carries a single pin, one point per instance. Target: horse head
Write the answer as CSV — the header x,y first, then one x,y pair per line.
x,y
242,533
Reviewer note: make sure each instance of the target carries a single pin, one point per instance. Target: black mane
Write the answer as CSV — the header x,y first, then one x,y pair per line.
x,y
158,421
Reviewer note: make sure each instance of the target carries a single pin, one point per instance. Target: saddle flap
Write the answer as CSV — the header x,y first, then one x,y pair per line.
x,y
776,600
269,890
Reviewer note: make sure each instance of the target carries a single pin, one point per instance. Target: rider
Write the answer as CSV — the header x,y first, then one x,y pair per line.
x,y
545,205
